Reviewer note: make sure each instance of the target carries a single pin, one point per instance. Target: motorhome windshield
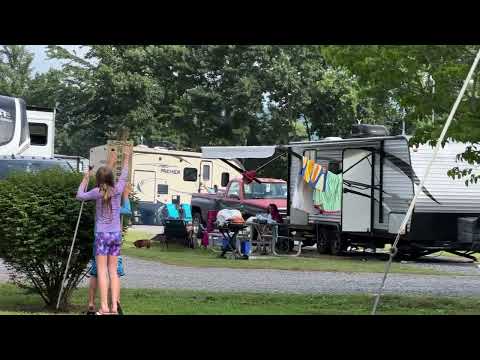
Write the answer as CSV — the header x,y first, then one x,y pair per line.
x,y
7,119
265,190
9,166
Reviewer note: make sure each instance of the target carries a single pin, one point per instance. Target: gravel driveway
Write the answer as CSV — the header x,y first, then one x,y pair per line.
x,y
148,274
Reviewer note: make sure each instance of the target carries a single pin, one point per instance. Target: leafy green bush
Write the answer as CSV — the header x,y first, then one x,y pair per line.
x,y
39,213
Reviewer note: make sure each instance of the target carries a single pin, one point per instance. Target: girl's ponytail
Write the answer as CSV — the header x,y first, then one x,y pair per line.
x,y
106,192
106,187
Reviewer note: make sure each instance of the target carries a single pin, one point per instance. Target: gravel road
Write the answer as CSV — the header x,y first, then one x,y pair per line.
x,y
148,274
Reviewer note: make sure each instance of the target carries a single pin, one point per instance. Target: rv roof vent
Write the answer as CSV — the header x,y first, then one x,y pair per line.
x,y
365,130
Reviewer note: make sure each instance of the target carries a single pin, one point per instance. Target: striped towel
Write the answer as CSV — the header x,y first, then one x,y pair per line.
x,y
308,170
304,166
319,177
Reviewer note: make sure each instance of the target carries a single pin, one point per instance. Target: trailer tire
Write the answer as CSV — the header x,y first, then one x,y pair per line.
x,y
323,241
338,245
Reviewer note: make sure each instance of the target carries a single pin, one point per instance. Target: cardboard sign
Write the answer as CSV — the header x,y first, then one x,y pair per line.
x,y
118,146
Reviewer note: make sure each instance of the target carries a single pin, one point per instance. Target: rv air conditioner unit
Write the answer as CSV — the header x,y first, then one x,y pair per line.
x,y
364,131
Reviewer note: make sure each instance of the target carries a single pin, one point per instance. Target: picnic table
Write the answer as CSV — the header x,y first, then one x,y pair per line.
x,y
267,237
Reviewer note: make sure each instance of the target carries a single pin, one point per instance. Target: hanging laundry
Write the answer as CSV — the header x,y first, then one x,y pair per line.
x,y
308,170
302,198
304,166
331,198
318,177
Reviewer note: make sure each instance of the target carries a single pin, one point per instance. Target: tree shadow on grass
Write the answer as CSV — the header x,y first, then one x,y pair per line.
x,y
19,301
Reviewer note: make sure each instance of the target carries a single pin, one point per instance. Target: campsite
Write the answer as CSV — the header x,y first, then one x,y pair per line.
x,y
243,198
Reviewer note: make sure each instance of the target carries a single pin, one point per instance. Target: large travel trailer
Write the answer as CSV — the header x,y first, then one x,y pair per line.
x,y
41,124
14,134
377,178
159,174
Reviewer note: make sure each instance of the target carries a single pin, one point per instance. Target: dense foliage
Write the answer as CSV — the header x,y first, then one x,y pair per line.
x,y
194,95
39,214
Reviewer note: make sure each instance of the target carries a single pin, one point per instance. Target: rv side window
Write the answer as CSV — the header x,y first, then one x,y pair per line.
x,y
38,134
225,179
190,174
162,189
206,172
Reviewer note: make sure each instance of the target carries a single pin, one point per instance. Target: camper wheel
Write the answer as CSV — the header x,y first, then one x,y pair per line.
x,y
323,241
338,243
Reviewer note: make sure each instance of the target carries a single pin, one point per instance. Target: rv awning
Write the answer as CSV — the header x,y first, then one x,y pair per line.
x,y
238,152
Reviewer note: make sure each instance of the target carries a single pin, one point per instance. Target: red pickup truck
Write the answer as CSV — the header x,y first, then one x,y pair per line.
x,y
250,199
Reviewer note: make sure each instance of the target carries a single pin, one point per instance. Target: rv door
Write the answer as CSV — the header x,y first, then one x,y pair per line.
x,y
206,176
357,203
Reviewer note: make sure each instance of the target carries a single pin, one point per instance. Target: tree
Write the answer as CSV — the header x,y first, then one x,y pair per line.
x,y
15,70
203,95
419,84
39,214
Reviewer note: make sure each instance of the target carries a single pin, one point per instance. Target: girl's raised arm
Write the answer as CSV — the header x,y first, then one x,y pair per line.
x,y
84,195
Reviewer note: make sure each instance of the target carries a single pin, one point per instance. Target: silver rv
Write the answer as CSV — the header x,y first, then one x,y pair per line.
x,y
376,176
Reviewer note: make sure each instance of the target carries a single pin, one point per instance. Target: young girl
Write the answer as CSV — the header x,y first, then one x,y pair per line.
x,y
108,230
92,290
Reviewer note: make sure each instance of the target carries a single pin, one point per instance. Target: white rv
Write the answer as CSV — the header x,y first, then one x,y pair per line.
x,y
14,134
159,174
41,124
377,178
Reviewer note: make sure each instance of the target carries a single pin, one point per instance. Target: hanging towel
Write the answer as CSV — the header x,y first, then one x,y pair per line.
x,y
304,166
318,177
331,198
308,170
302,198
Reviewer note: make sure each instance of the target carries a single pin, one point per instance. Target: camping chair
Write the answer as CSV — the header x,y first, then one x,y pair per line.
x,y
178,223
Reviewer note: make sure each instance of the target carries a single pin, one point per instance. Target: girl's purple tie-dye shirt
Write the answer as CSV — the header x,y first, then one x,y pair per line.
x,y
104,220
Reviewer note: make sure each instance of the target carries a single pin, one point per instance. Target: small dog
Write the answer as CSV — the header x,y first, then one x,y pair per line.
x,y
142,243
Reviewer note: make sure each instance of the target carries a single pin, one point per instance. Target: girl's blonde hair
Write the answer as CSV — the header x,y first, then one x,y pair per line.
x,y
104,179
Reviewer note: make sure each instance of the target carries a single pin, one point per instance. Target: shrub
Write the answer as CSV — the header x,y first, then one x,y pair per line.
x,y
39,213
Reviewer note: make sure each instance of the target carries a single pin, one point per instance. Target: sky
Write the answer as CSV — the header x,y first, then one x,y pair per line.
x,y
40,62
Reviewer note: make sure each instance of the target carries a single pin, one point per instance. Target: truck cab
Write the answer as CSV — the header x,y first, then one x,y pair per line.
x,y
249,198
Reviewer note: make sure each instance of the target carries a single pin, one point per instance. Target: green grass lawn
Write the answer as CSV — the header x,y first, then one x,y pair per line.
x,y
179,255
15,301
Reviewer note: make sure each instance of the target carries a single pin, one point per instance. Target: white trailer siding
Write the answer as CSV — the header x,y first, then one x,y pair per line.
x,y
452,194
